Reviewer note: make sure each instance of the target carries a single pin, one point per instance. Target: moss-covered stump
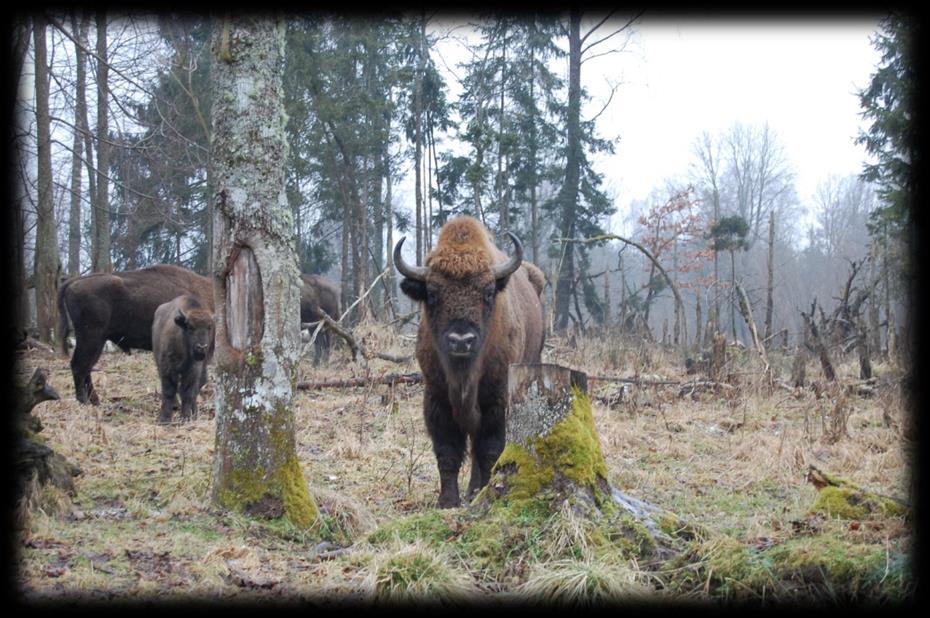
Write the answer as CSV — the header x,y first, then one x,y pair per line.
x,y
837,497
552,462
548,526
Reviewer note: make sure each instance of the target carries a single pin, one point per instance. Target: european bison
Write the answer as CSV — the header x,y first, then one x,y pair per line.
x,y
182,344
317,293
118,307
481,311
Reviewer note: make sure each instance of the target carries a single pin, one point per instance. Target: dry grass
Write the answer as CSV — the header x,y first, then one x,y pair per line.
x,y
141,524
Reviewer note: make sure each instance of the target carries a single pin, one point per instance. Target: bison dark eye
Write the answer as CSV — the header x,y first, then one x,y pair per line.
x,y
489,295
432,297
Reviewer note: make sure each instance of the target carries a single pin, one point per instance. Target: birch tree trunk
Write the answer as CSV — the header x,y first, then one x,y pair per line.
x,y
46,253
256,289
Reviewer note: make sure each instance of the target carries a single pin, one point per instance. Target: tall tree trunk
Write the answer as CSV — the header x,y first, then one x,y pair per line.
x,y
15,250
716,306
502,203
733,293
875,332
256,294
80,117
46,262
418,137
101,219
676,338
698,317
769,291
886,282
389,279
568,196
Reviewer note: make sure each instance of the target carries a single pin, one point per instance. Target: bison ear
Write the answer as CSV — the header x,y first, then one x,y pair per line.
x,y
414,289
180,319
501,283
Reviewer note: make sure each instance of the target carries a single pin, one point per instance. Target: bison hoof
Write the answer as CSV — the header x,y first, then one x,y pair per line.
x,y
448,502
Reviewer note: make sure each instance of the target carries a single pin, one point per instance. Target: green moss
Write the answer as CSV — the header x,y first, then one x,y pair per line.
x,y
849,503
631,536
847,569
525,478
245,485
810,567
572,446
571,450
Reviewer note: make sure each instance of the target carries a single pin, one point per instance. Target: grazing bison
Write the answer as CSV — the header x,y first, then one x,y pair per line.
x,y
481,311
182,344
118,307
317,293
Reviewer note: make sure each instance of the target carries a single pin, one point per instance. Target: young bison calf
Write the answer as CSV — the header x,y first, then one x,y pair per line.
x,y
182,344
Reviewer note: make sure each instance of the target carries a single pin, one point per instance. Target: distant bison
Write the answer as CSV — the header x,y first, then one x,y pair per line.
x,y
481,311
317,293
182,344
118,307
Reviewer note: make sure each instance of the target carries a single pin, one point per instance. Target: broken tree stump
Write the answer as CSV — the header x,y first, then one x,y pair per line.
x,y
553,460
718,358
35,463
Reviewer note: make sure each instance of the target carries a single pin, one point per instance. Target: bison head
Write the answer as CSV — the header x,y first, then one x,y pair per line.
x,y
458,288
197,326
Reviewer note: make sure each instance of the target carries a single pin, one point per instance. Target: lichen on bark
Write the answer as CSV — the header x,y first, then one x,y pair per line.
x,y
256,470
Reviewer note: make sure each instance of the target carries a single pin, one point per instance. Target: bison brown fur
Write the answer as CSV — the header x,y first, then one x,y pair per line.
x,y
182,344
481,311
316,293
118,307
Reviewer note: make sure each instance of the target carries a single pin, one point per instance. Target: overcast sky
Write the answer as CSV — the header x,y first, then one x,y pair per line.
x,y
680,77
683,77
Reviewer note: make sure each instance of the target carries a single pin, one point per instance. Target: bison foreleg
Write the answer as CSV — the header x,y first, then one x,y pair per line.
x,y
190,386
169,389
486,447
449,448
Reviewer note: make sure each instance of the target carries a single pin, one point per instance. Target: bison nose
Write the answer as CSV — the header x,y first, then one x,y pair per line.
x,y
461,343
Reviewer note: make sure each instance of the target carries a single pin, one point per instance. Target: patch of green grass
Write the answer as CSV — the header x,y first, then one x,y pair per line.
x,y
431,527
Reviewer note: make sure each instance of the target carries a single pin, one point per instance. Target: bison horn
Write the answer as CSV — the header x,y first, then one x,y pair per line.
x,y
507,268
417,273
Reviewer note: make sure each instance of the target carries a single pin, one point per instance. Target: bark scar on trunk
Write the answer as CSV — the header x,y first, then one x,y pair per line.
x,y
245,315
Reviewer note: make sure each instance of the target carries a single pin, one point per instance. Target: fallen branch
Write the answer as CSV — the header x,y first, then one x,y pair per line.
x,y
390,379
637,381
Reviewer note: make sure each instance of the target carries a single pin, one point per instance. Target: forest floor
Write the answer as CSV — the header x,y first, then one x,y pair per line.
x,y
141,526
